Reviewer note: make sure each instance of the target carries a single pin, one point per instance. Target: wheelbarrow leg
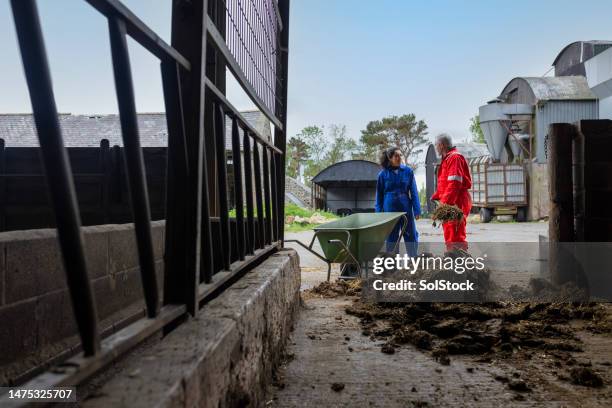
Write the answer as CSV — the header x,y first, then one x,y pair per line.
x,y
401,235
348,252
328,270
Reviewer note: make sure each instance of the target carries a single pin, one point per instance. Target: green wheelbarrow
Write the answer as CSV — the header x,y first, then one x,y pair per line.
x,y
355,239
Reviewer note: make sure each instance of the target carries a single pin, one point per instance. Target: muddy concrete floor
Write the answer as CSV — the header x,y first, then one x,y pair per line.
x,y
331,363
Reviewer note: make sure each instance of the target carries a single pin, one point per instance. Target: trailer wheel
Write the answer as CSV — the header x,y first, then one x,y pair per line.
x,y
521,214
486,215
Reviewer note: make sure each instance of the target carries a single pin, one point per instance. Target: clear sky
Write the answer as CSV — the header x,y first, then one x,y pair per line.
x,y
351,61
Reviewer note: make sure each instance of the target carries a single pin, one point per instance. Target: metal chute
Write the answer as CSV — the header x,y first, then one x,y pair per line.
x,y
495,119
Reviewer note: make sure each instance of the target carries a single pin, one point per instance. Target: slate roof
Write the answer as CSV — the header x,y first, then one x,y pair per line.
x,y
18,130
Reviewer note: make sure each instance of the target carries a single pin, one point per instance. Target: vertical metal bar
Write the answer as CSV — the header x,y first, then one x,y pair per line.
x,y
106,179
274,189
248,187
206,260
237,161
134,162
267,201
280,136
258,200
177,172
57,171
189,38
2,186
226,245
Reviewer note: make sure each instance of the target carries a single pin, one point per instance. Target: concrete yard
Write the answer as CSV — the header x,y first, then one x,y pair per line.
x,y
331,363
314,270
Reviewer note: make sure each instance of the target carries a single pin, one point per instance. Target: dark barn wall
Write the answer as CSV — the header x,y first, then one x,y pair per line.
x,y
100,182
431,161
362,198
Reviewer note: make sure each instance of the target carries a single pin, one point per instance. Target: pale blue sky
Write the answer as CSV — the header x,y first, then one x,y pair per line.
x,y
351,61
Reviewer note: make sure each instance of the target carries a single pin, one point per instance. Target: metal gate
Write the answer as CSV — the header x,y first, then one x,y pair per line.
x,y
250,38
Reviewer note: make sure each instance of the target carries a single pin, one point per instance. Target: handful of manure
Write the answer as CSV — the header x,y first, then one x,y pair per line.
x,y
445,212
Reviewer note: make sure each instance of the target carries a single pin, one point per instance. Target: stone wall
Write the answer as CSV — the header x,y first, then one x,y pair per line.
x,y
299,190
37,322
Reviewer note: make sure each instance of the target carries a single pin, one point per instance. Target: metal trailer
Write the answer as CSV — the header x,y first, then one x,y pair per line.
x,y
498,189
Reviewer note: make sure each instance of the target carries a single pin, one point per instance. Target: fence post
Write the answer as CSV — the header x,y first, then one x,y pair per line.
x,y
189,38
280,137
561,216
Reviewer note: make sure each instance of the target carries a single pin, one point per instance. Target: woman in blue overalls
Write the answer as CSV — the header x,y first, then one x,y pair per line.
x,y
396,191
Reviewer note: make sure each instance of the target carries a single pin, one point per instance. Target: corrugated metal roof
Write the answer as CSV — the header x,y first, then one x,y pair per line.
x,y
348,171
469,150
594,42
18,130
560,88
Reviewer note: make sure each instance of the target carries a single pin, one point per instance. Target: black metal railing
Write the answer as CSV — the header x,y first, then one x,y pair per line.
x,y
193,270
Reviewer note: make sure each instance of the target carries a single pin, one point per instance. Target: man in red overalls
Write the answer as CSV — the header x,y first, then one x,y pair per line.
x,y
454,181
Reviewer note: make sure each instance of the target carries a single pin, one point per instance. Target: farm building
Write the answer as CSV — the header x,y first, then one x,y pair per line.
x,y
599,76
516,123
564,99
94,146
18,129
346,187
571,59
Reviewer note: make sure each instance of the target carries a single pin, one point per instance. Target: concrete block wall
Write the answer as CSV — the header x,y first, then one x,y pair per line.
x,y
224,357
36,315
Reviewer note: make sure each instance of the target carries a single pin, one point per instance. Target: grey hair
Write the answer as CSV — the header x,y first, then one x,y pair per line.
x,y
444,139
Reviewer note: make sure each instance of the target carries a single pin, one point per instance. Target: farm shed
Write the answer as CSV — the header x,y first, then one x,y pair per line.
x,y
565,99
599,75
571,59
346,187
95,149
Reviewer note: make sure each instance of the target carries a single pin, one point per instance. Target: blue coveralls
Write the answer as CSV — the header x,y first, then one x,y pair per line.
x,y
396,191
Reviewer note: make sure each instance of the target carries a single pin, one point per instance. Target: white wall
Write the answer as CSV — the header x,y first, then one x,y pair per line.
x,y
599,76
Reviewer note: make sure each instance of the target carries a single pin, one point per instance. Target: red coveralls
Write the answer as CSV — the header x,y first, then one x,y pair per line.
x,y
454,180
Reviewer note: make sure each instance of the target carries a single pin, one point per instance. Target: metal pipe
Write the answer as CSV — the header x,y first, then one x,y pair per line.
x,y
237,163
226,245
248,184
258,199
267,200
134,163
57,171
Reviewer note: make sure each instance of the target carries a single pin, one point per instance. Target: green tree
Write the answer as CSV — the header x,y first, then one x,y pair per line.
x,y
476,130
315,140
342,147
297,156
405,132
